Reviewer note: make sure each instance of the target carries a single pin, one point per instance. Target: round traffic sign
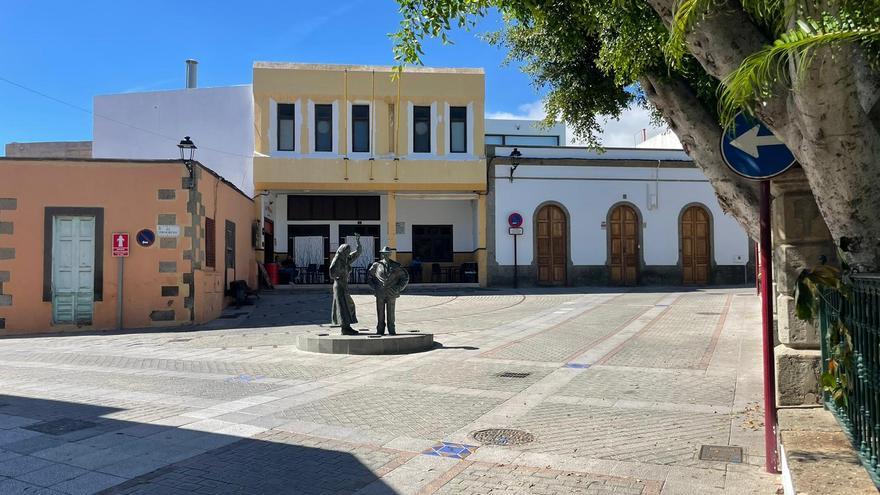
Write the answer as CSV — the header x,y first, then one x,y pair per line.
x,y
753,151
515,220
145,238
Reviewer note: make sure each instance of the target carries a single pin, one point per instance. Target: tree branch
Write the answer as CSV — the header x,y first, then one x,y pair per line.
x,y
699,132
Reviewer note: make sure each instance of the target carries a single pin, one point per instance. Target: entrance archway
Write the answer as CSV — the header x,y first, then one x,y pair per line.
x,y
696,247
551,245
624,245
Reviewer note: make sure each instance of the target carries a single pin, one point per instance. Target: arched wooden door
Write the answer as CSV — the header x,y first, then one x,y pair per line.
x,y
623,230
695,245
551,231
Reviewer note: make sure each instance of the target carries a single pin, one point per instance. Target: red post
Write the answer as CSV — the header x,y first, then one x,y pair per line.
x,y
757,268
770,421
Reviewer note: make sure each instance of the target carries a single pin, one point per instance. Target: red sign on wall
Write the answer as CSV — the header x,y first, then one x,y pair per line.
x,y
120,244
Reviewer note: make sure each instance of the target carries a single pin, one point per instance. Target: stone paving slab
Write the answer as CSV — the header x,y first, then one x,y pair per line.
x,y
653,385
395,413
237,409
657,437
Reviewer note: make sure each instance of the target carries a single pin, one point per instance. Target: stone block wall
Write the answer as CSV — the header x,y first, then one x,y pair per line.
x,y
800,238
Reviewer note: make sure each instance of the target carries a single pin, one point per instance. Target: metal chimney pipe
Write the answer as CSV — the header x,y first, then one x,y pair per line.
x,y
192,71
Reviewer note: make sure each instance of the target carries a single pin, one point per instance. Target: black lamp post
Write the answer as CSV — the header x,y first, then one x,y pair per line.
x,y
514,161
187,152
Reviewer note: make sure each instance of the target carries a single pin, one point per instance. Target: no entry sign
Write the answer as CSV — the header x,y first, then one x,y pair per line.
x,y
515,220
120,244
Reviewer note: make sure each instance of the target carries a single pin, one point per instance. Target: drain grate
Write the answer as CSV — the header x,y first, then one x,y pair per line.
x,y
60,426
721,453
503,436
708,313
512,374
179,340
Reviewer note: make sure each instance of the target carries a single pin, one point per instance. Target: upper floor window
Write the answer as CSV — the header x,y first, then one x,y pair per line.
x,y
324,127
360,128
421,129
458,129
286,131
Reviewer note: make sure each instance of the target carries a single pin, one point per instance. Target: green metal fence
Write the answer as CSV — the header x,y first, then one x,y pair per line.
x,y
860,313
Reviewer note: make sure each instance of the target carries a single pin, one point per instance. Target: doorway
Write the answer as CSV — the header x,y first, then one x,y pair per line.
x,y
551,240
623,245
696,246
73,269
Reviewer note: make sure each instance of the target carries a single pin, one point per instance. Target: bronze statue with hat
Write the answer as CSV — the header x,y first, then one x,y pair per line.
x,y
388,279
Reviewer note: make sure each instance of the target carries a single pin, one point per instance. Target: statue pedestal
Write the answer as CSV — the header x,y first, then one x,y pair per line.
x,y
331,342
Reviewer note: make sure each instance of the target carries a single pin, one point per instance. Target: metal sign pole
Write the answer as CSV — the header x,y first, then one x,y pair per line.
x,y
515,275
770,420
119,297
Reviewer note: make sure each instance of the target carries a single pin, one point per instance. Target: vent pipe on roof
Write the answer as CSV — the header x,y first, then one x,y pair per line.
x,y
192,70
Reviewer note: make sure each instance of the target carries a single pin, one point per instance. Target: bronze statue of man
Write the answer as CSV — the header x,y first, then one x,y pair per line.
x,y
343,313
388,279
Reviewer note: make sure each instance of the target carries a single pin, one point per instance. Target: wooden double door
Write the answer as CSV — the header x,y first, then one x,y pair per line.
x,y
624,245
696,250
551,232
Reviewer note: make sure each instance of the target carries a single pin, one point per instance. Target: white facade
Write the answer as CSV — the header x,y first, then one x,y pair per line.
x,y
658,183
522,132
149,125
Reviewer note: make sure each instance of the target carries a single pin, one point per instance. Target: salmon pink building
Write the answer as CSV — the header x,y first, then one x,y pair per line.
x,y
190,234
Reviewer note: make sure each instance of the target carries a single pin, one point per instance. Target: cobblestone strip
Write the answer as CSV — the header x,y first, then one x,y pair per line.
x,y
546,323
690,323
707,356
652,317
445,478
480,477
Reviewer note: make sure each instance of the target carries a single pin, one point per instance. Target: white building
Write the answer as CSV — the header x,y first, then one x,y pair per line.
x,y
626,216
666,140
148,125
520,132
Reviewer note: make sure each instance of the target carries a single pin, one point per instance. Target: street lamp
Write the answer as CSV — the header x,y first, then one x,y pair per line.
x,y
514,161
187,152
187,149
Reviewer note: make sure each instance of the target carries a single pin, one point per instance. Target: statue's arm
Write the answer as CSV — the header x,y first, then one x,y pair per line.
x,y
357,249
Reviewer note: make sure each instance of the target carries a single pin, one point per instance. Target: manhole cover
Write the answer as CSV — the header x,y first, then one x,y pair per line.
x,y
512,374
721,453
60,426
503,436
179,340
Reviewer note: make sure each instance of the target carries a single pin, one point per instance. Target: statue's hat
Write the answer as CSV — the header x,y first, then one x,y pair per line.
x,y
387,249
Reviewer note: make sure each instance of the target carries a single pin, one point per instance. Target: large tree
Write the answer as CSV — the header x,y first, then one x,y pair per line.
x,y
810,70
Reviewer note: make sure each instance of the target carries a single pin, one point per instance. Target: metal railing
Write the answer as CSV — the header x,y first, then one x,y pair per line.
x,y
860,314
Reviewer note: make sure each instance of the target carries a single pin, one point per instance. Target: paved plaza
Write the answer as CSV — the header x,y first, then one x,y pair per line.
x,y
599,391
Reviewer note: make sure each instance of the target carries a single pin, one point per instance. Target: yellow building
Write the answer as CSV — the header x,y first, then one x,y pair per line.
x,y
345,149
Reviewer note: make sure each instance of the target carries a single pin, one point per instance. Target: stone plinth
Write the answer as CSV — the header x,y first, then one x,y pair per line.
x,y
332,342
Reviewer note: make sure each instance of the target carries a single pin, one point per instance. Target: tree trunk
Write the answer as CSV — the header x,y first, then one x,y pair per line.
x,y
828,120
699,132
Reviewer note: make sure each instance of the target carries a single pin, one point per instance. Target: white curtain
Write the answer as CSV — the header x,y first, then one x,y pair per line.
x,y
368,251
308,250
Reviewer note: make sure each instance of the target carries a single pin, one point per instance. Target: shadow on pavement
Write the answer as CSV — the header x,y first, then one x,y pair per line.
x,y
56,447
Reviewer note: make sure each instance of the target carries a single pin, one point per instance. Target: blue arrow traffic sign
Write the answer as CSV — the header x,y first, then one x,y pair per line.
x,y
753,151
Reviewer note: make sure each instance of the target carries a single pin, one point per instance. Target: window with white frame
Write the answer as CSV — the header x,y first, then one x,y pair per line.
x,y
360,128
285,126
458,129
421,129
324,127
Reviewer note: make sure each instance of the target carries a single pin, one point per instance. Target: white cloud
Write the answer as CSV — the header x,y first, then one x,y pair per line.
x,y
623,132
527,111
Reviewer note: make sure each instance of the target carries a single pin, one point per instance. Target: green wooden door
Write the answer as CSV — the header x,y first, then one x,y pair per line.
x,y
73,269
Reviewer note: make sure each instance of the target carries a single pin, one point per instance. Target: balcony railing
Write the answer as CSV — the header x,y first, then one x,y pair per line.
x,y
860,313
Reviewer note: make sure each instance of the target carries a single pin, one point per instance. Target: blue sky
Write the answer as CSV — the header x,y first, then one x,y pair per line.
x,y
75,50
